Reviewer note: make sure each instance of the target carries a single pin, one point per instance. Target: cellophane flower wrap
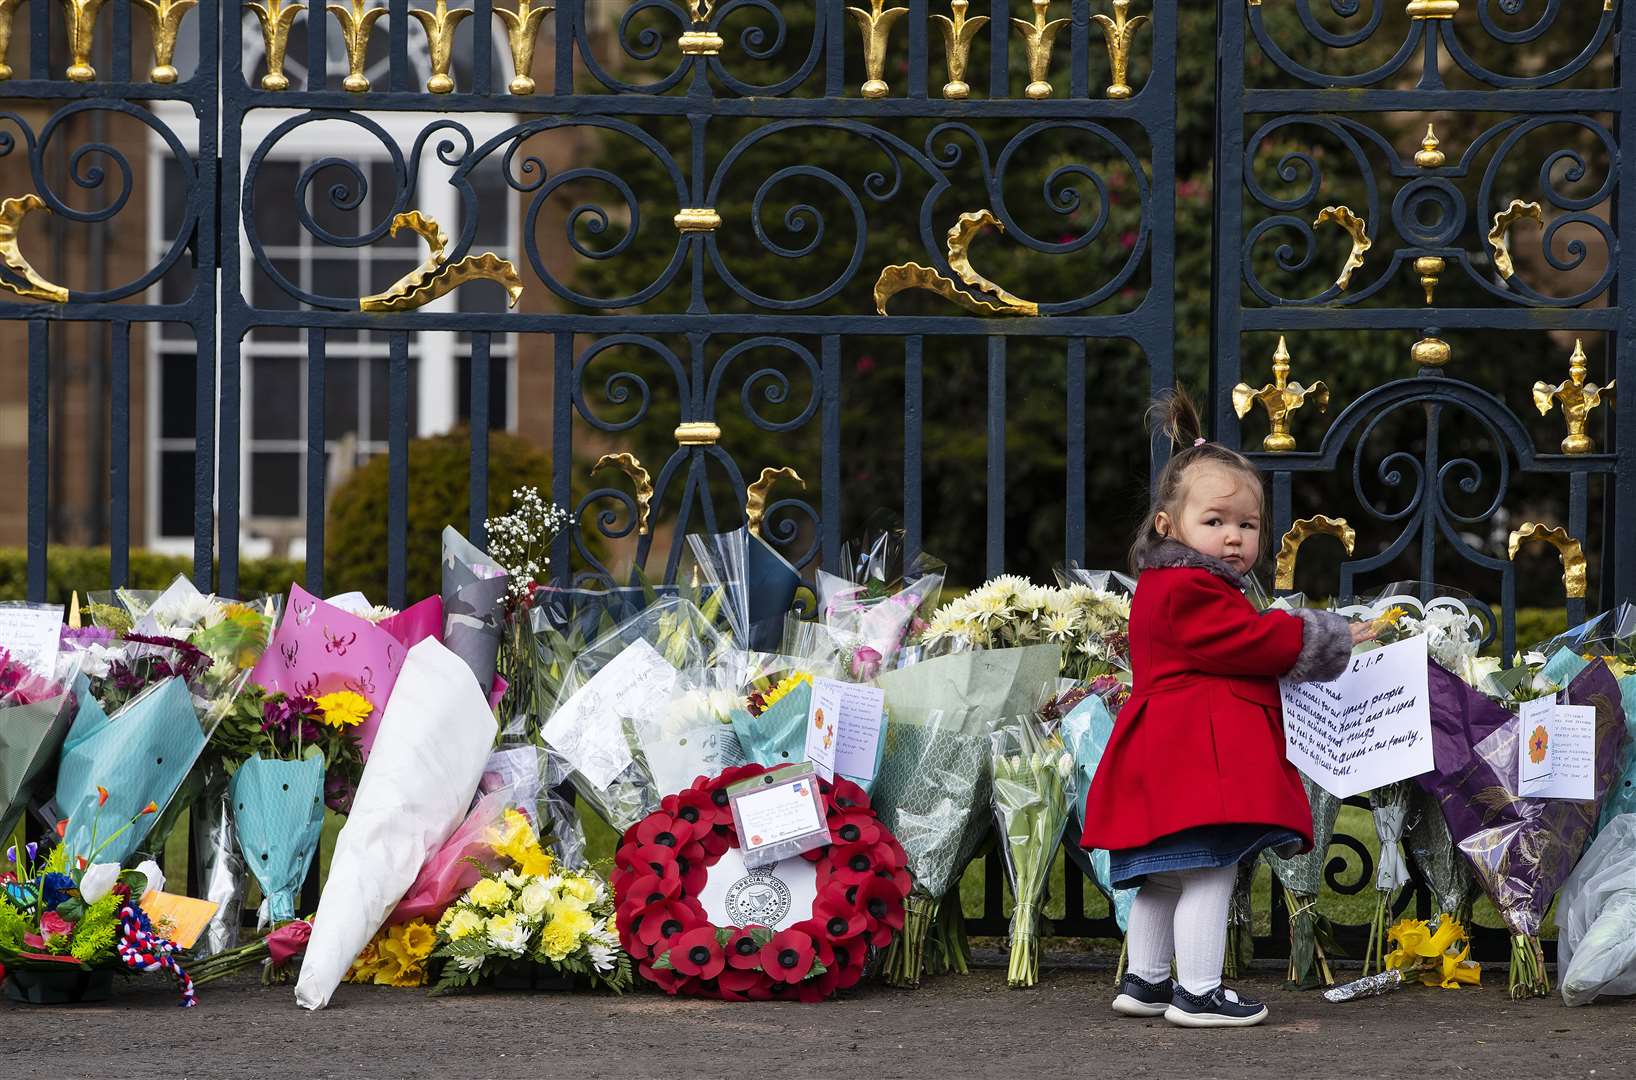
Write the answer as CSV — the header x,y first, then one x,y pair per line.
x,y
1389,807
1521,849
36,709
1031,770
1610,637
1086,728
530,910
1302,878
278,807
417,787
1596,918
934,772
872,611
618,683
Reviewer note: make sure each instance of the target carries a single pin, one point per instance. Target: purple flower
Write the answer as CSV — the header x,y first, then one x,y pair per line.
x,y
83,636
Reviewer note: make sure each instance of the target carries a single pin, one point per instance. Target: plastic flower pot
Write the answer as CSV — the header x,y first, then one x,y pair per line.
x,y
73,986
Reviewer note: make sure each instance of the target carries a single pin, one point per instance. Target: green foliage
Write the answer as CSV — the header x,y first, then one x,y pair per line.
x,y
87,569
1538,625
356,539
12,927
95,932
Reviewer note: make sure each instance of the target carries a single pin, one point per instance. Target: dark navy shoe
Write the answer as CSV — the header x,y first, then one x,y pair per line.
x,y
1138,997
1219,1008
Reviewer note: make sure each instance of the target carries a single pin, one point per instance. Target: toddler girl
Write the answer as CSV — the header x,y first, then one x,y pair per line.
x,y
1194,780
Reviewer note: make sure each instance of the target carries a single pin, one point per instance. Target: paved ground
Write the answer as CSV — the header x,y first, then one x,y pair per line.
x,y
953,1027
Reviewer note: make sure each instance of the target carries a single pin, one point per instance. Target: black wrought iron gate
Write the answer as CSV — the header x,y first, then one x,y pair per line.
x,y
781,200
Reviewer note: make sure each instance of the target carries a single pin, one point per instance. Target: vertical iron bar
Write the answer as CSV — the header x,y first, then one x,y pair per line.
x,y
1227,221
913,417
1623,508
562,450
398,37
119,457
121,72
1158,311
999,60
317,46
39,40
317,458
835,25
831,470
479,482
1074,542
482,43
918,59
1079,70
563,77
39,453
996,455
1579,483
228,473
397,492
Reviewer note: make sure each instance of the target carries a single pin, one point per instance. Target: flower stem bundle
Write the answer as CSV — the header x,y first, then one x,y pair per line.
x,y
1031,804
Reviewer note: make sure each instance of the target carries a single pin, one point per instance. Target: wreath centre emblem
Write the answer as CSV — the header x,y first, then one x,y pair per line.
x,y
758,898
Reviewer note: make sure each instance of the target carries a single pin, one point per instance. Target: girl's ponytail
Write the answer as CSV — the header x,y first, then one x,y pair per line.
x,y
1174,413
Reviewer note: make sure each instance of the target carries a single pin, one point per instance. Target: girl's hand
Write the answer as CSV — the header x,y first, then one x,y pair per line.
x,y
1362,632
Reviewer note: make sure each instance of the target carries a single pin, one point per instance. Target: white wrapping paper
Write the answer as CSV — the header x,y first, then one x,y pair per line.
x,y
417,786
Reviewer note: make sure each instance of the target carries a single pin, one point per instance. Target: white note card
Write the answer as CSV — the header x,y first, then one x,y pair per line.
x,y
1556,751
1366,729
29,633
844,727
587,730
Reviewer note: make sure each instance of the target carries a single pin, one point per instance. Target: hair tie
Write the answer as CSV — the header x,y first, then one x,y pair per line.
x,y
1198,442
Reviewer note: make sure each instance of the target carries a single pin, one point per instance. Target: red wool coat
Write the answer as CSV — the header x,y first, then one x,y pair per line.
x,y
1201,741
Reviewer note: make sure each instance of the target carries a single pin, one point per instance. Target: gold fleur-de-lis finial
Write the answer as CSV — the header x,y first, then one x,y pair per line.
x,y
1119,32
876,27
81,17
1279,398
1039,36
1578,396
8,9
276,18
958,34
357,23
522,31
440,24
166,17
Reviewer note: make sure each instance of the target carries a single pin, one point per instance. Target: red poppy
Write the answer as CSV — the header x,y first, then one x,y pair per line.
x,y
899,878
788,956
697,953
695,807
848,796
857,863
743,953
664,830
849,960
663,978
855,828
835,918
660,922
735,985
717,840
881,905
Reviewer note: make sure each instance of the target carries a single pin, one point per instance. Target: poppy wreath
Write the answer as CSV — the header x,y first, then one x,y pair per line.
x,y
662,864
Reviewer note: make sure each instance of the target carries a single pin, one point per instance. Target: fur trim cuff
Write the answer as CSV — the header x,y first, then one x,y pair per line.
x,y
1173,554
1326,646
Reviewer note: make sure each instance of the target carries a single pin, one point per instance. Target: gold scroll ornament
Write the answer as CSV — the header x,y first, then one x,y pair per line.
x,y
1354,227
357,23
1578,396
627,464
1499,237
996,301
876,27
522,31
958,34
276,18
1568,549
1039,36
12,213
166,17
1119,32
1302,531
755,496
435,277
1279,398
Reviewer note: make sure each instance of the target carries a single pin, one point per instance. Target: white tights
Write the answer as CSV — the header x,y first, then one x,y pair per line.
x,y
1181,914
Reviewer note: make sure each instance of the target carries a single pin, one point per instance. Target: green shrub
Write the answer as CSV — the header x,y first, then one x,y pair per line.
x,y
87,570
439,476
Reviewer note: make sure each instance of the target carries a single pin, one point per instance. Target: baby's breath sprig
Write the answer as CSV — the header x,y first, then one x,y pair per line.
x,y
520,540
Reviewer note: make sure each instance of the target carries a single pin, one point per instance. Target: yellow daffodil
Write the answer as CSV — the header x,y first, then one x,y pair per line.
x,y
343,709
365,965
489,895
536,863
464,923
785,686
1453,971
419,939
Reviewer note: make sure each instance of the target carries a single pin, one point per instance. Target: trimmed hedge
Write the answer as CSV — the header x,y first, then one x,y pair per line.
x,y
87,570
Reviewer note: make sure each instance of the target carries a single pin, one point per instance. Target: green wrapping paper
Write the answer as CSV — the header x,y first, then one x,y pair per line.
x,y
1302,878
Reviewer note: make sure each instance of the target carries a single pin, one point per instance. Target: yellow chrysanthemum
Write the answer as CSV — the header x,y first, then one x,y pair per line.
x,y
579,888
489,894
419,939
785,686
464,923
558,940
344,709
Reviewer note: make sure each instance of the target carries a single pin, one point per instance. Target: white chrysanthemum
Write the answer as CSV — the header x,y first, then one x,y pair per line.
x,y
993,606
513,879
1060,625
602,956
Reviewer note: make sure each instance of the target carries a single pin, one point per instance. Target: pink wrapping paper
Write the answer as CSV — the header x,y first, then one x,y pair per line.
x,y
319,649
416,623
449,873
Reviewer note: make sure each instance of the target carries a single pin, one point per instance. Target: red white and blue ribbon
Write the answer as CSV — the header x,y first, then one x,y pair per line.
x,y
140,949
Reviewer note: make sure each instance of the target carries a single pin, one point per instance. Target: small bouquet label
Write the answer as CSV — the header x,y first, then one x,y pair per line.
x,y
778,815
178,918
1556,754
29,634
1369,728
844,724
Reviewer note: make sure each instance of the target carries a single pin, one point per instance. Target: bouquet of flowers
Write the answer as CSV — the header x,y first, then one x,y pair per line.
x,y
36,707
934,772
66,924
1086,726
1596,918
1522,849
1444,870
398,955
1435,953
873,608
1030,775
1091,625
758,586
1389,807
1610,637
1302,878
531,912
